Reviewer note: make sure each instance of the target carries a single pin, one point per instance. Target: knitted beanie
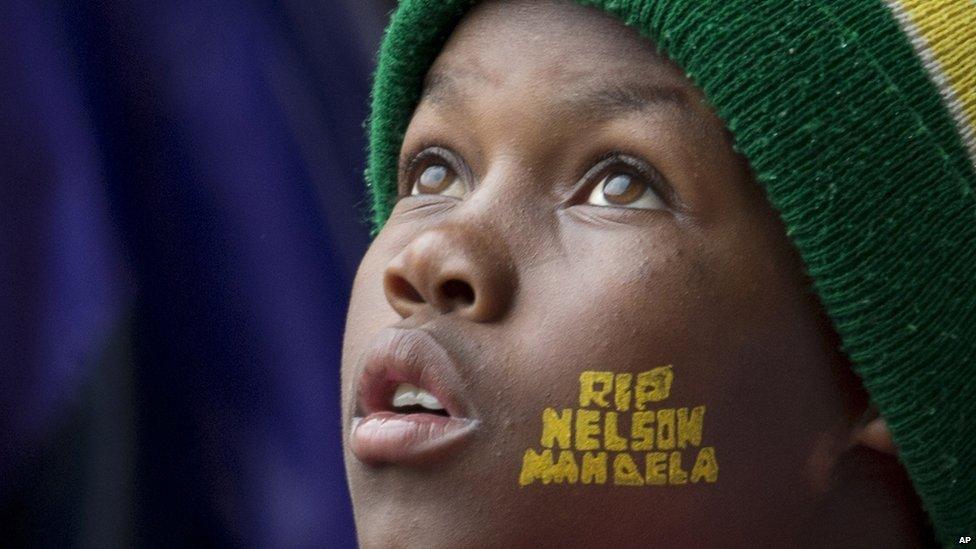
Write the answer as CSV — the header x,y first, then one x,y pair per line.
x,y
859,119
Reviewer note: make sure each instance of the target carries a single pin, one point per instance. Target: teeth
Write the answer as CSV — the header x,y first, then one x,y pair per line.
x,y
410,395
405,395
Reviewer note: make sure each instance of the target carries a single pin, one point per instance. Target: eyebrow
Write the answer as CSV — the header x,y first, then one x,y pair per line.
x,y
593,100
619,99
439,86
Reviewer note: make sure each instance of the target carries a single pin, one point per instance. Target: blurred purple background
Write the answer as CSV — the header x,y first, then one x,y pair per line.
x,y
181,215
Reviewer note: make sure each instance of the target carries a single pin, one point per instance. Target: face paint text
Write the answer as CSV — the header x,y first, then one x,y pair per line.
x,y
618,435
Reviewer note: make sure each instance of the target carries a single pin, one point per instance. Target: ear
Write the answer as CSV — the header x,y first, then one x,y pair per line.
x,y
872,432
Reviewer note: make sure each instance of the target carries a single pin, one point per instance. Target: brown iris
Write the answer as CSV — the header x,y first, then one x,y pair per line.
x,y
622,189
434,179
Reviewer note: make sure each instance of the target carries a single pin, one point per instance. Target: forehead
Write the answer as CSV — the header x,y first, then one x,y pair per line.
x,y
550,45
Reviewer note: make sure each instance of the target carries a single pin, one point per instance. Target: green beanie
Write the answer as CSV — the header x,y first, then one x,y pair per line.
x,y
859,119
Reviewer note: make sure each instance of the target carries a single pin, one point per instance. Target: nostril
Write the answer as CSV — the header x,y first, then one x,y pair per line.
x,y
400,287
458,291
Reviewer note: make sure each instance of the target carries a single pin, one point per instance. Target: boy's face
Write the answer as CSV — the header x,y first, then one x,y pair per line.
x,y
569,204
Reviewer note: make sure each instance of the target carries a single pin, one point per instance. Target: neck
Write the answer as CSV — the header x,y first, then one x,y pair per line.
x,y
870,503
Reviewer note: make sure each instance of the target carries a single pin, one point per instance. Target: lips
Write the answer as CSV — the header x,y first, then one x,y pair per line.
x,y
410,403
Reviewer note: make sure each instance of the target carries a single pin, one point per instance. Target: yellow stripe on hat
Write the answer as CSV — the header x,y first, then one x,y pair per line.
x,y
944,35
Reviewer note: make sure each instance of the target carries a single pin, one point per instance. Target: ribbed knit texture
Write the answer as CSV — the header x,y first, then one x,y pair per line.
x,y
858,118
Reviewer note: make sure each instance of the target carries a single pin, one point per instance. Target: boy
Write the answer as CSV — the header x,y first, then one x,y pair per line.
x,y
585,321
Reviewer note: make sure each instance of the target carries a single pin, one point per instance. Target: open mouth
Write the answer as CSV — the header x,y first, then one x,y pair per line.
x,y
409,407
410,399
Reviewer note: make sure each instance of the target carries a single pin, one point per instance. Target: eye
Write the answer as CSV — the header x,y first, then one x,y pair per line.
x,y
434,172
623,189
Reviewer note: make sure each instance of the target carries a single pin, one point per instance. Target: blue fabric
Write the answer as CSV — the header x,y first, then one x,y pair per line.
x,y
181,180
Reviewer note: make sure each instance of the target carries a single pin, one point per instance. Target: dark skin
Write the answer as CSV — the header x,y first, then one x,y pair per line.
x,y
569,202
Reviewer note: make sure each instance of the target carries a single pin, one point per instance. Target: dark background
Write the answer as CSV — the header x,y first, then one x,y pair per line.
x,y
181,214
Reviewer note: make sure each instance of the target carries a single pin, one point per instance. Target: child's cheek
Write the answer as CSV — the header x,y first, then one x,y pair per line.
x,y
641,367
655,275
369,310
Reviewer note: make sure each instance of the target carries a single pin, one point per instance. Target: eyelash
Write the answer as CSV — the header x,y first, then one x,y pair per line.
x,y
424,151
600,164
603,164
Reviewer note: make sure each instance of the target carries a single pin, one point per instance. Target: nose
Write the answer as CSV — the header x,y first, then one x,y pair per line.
x,y
452,269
